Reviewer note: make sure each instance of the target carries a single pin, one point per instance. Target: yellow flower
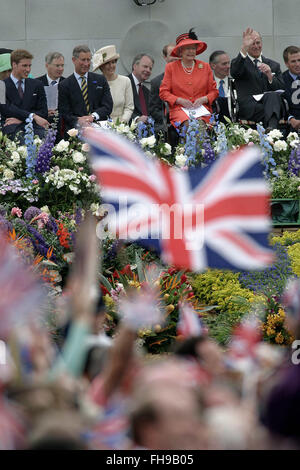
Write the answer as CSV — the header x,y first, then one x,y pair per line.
x,y
270,331
170,308
279,338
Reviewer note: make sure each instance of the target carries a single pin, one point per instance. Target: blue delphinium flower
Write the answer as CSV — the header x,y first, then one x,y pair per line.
x,y
209,155
31,148
294,161
272,278
45,152
142,130
267,151
191,145
221,143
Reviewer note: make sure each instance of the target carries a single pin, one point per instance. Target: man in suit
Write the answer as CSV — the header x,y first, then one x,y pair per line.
x,y
84,97
255,74
24,97
219,62
141,70
155,103
291,77
54,63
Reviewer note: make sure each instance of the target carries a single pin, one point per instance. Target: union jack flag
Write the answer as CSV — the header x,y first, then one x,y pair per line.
x,y
189,323
217,216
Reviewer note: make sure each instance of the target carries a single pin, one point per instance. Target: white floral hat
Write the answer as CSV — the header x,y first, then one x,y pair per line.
x,y
104,55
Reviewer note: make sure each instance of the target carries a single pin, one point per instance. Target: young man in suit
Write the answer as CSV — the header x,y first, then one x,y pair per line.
x,y
291,77
24,97
141,70
255,74
155,103
84,96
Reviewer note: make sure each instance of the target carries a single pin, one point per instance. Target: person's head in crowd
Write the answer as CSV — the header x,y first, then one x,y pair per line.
x,y
5,66
219,62
207,352
167,416
21,61
106,60
166,52
99,347
81,58
58,430
291,57
256,46
54,63
142,66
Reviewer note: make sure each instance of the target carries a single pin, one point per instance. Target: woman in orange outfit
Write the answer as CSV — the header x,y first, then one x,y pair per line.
x,y
188,82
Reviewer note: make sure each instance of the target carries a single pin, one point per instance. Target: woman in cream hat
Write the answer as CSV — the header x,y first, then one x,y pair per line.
x,y
106,59
188,82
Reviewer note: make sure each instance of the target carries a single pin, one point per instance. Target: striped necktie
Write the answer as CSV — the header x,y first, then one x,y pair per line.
x,y
84,91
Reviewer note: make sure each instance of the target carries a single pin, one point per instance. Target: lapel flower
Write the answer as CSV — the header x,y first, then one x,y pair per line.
x,y
200,66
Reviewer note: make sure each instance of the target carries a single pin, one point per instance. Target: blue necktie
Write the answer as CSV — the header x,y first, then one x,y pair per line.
x,y
221,89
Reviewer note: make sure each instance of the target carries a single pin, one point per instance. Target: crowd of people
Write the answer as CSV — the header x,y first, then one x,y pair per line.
x,y
251,84
73,387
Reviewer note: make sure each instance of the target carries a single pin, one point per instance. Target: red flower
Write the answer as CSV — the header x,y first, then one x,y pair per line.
x,y
63,236
183,279
172,271
127,270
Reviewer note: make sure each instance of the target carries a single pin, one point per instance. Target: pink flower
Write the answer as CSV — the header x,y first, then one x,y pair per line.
x,y
35,181
80,168
41,219
16,211
92,178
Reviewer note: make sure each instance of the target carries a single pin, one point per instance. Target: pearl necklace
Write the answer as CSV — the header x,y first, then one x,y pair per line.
x,y
186,69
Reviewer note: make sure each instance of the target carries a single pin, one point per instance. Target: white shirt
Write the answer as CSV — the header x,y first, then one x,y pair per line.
x,y
225,84
137,82
50,80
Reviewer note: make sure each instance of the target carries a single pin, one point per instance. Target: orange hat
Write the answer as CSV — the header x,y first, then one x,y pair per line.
x,y
187,39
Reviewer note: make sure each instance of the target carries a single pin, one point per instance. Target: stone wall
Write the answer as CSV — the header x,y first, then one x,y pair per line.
x,y
45,25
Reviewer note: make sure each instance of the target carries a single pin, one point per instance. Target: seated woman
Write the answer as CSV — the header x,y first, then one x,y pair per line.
x,y
188,83
120,86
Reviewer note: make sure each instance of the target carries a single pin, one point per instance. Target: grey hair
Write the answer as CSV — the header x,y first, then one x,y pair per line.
x,y
53,55
138,58
213,58
78,49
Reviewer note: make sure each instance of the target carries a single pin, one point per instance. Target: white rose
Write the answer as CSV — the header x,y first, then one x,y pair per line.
x,y
167,149
275,134
78,157
45,209
62,146
180,160
72,132
8,175
23,150
15,157
148,141
280,145
294,143
85,147
292,136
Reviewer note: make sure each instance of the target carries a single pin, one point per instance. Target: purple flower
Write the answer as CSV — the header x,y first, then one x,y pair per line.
x,y
45,152
5,224
31,212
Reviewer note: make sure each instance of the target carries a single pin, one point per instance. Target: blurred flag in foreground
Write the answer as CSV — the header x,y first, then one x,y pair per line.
x,y
212,217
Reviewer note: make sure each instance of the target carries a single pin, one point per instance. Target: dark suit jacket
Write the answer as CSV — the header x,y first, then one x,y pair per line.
x,y
294,104
34,101
155,103
137,105
44,80
250,81
71,104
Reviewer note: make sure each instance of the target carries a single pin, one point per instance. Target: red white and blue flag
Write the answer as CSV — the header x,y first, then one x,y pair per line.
x,y
189,323
212,217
